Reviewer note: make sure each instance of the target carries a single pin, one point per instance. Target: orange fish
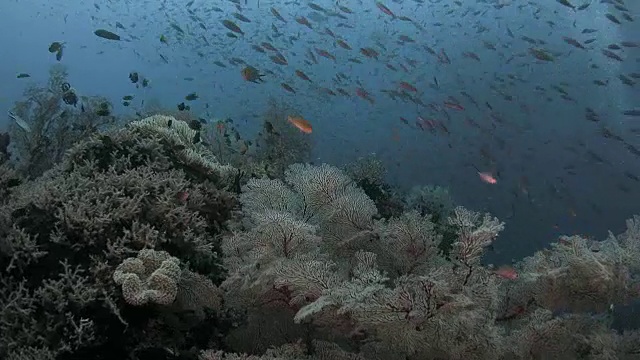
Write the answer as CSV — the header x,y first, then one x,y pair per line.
x,y
252,74
506,272
302,124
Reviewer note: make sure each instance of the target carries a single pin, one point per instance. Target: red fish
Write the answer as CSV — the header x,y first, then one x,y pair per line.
x,y
343,44
232,26
364,94
279,59
423,123
369,52
220,127
471,55
325,53
303,21
277,15
405,85
183,196
288,88
453,105
302,75
443,57
268,46
385,9
300,123
506,272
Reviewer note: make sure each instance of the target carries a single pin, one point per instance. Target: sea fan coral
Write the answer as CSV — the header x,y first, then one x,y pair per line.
x,y
382,290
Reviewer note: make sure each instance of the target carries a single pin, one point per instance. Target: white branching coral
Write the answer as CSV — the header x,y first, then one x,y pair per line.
x,y
186,142
630,242
168,127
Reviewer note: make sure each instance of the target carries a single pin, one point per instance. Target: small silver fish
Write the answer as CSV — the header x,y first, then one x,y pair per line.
x,y
23,124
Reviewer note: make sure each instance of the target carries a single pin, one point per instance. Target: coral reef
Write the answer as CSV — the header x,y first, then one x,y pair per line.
x,y
116,196
133,246
56,123
313,267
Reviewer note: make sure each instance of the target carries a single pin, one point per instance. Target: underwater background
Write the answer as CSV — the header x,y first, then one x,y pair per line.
x,y
540,138
529,111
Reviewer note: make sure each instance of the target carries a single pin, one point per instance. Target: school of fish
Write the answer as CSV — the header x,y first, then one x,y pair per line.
x,y
325,49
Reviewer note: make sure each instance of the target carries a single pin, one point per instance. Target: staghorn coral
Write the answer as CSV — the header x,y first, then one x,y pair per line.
x,y
383,290
9,178
187,146
113,195
55,126
322,350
